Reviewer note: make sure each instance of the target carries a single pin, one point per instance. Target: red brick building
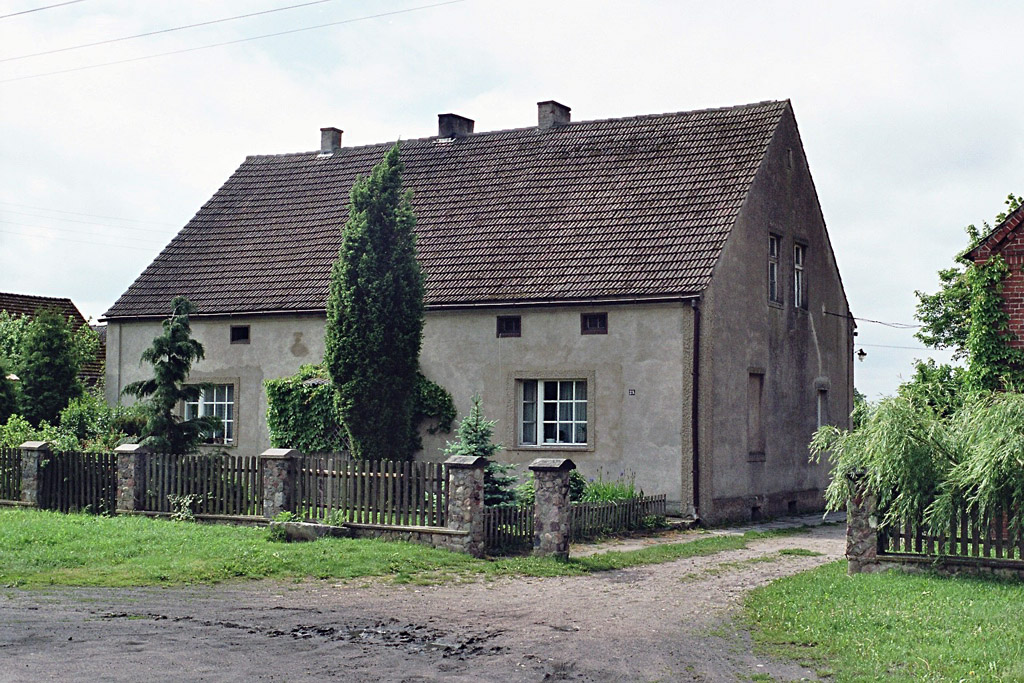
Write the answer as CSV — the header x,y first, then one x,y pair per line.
x,y
1007,240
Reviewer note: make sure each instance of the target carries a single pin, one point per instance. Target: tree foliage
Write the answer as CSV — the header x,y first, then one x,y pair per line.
x,y
375,317
48,367
924,466
475,436
946,314
8,395
302,412
172,354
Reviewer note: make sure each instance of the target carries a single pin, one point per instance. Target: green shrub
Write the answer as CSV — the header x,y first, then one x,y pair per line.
x,y
921,465
302,413
578,485
601,491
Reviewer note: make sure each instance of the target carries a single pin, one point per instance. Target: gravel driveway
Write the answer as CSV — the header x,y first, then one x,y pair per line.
x,y
666,622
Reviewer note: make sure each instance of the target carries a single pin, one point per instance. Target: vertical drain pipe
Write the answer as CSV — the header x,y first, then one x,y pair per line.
x,y
694,412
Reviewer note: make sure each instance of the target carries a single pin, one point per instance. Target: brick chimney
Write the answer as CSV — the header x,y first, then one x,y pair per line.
x,y
453,126
551,114
330,140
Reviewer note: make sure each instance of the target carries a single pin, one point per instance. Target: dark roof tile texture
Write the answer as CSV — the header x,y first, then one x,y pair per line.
x,y
633,207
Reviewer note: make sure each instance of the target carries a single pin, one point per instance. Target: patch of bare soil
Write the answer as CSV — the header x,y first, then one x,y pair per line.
x,y
666,622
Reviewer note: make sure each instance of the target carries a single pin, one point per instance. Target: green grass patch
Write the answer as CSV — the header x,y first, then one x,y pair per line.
x,y
39,548
800,552
892,626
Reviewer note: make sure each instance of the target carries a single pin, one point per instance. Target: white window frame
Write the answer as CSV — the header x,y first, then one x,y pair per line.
x,y
560,413
774,292
799,283
220,399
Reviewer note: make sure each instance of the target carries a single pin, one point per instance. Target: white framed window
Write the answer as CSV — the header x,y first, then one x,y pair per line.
x,y
219,400
553,412
774,292
799,286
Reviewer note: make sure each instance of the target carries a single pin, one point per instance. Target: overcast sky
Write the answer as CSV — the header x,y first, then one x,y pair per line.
x,y
910,114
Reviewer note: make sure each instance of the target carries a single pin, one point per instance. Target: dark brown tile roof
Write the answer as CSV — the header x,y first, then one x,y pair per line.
x,y
630,207
28,304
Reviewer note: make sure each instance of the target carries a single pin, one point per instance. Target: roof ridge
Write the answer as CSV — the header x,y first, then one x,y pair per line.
x,y
635,117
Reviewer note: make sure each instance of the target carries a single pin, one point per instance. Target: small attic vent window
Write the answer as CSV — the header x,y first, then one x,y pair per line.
x,y
594,323
239,334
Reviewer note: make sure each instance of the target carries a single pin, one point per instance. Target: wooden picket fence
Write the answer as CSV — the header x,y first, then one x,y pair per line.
x,y
509,528
71,481
205,484
10,474
967,537
395,493
599,519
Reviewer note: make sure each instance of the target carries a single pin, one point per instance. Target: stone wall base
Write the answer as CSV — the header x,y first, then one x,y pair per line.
x,y
748,508
946,566
438,537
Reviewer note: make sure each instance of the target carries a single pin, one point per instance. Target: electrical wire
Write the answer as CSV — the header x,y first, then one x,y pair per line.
x,y
164,30
897,326
39,9
90,215
78,232
74,220
230,42
888,346
116,245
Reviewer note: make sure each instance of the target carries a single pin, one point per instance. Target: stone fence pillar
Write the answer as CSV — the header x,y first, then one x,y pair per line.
x,y
552,521
466,502
131,477
278,467
33,459
861,535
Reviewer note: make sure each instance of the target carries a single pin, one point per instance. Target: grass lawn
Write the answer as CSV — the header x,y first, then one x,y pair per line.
x,y
39,548
893,626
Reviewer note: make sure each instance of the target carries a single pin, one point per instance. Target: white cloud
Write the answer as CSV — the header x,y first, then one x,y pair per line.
x,y
908,111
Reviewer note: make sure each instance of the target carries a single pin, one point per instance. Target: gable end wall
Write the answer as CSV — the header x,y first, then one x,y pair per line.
x,y
798,352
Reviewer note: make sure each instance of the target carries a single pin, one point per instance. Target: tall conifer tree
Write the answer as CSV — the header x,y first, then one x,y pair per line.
x,y
375,316
49,367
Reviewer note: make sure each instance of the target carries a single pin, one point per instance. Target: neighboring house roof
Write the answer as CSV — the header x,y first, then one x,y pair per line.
x,y
28,304
995,240
614,209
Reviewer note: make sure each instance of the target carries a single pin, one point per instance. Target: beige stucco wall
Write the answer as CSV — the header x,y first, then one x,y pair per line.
x,y
278,346
647,350
798,351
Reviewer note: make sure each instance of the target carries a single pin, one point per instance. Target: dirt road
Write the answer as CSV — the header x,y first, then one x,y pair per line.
x,y
667,622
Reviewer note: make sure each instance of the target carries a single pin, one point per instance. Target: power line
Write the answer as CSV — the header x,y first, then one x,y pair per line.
x,y
887,346
898,326
163,30
93,243
39,9
90,215
75,232
74,220
232,42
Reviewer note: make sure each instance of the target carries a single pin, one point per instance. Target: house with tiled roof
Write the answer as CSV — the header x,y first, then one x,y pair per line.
x,y
654,295
18,305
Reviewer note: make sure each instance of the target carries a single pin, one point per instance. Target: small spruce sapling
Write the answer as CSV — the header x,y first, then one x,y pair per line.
x,y
172,355
474,439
